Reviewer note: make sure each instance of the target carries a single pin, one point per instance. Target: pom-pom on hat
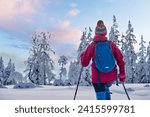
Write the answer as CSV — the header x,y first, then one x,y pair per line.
x,y
101,28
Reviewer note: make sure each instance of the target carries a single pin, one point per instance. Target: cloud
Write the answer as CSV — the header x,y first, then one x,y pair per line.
x,y
21,46
15,11
73,12
65,23
73,4
64,34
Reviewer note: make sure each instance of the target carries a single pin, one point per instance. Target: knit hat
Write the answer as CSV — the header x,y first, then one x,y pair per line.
x,y
100,28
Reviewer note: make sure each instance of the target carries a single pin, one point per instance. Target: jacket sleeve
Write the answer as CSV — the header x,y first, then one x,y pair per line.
x,y
119,58
87,55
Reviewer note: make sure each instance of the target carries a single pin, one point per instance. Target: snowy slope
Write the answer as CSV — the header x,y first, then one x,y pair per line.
x,y
136,92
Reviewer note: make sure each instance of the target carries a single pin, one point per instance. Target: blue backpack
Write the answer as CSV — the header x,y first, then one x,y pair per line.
x,y
104,61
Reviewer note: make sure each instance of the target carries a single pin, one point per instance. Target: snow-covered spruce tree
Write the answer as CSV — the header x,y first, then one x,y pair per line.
x,y
148,63
82,44
73,73
39,64
62,61
124,47
15,77
114,32
141,65
86,74
8,70
129,53
86,78
124,50
75,66
1,71
85,40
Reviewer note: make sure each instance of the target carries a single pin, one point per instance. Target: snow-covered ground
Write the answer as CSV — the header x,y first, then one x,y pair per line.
x,y
135,91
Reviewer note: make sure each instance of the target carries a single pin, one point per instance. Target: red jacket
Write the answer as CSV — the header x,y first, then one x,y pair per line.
x,y
89,54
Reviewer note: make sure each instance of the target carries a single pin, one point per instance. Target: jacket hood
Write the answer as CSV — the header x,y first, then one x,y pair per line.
x,y
99,37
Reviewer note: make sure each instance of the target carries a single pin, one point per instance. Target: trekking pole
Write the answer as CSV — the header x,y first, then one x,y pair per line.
x,y
78,83
126,91
117,82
